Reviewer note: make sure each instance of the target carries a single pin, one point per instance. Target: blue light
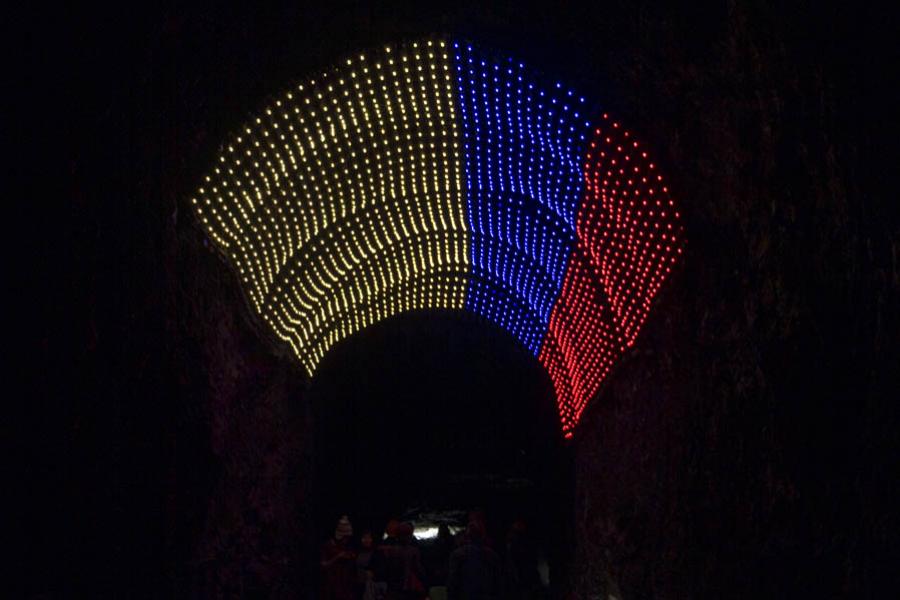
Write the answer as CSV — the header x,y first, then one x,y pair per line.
x,y
524,181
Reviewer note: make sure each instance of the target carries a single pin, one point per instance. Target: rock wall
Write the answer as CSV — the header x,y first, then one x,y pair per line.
x,y
240,512
744,448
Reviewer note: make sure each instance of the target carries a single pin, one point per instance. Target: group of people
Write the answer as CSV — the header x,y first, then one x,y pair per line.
x,y
462,567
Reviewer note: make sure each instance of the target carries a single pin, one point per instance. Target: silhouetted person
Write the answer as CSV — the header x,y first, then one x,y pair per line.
x,y
390,533
364,577
399,564
389,539
478,515
413,587
338,564
459,539
521,578
437,556
387,563
474,572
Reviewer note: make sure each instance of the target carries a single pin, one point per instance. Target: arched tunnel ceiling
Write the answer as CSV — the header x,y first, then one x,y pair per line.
x,y
435,175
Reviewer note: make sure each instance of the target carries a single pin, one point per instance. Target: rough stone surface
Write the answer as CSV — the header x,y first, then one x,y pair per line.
x,y
255,509
743,449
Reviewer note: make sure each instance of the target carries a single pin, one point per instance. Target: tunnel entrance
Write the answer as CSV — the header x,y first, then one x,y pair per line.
x,y
428,416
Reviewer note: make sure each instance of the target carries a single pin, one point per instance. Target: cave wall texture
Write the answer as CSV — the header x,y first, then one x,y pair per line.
x,y
747,447
252,513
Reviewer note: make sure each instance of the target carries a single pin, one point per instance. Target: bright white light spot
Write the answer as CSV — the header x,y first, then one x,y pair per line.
x,y
427,533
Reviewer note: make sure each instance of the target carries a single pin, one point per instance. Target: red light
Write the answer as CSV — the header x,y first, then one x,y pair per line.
x,y
615,271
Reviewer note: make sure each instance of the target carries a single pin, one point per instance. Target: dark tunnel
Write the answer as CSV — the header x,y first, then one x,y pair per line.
x,y
746,446
429,416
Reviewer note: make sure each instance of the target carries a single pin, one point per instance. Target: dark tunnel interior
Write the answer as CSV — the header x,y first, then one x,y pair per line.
x,y
428,416
745,447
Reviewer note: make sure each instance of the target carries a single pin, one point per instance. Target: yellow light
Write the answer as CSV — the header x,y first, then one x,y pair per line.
x,y
355,216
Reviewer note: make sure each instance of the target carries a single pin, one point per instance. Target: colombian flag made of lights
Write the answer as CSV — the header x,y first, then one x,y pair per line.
x,y
433,175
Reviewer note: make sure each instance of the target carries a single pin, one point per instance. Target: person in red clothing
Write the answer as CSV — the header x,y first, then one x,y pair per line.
x,y
413,587
398,563
338,564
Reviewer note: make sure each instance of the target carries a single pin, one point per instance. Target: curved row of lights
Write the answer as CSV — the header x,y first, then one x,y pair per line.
x,y
432,175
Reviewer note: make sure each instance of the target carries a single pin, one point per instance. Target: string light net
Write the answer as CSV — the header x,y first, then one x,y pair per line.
x,y
433,175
